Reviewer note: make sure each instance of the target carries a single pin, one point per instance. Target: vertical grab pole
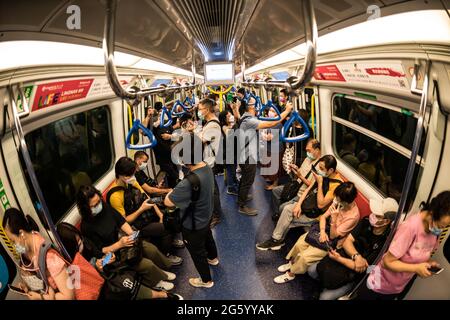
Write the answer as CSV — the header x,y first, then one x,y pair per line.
x,y
43,209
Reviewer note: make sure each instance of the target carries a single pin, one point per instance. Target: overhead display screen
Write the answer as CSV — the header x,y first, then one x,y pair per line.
x,y
219,73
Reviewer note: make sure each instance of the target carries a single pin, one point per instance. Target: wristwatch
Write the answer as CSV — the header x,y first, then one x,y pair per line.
x,y
354,256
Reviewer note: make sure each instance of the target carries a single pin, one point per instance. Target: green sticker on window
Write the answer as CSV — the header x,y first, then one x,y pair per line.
x,y
407,112
365,96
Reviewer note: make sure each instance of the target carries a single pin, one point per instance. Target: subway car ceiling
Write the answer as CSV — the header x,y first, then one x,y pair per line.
x,y
159,40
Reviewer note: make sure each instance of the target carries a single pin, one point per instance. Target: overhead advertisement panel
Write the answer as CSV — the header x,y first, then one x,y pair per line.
x,y
221,73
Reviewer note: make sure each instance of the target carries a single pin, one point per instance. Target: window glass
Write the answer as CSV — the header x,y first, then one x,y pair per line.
x,y
398,127
69,153
382,166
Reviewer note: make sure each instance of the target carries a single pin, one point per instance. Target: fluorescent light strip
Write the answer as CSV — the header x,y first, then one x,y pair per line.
x,y
19,54
426,26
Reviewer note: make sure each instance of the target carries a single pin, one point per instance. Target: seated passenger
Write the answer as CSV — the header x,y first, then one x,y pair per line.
x,y
23,232
128,198
344,267
303,213
404,259
149,185
74,243
344,216
304,178
101,225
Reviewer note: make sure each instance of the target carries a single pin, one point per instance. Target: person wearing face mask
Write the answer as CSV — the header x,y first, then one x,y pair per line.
x,y
300,212
334,225
342,268
212,137
410,251
128,198
304,178
100,226
76,244
23,232
147,184
227,121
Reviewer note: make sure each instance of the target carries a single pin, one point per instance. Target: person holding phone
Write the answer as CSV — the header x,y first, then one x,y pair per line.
x,y
74,242
410,252
23,232
338,272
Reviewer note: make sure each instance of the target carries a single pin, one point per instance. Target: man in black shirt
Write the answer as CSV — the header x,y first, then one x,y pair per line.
x,y
150,186
343,267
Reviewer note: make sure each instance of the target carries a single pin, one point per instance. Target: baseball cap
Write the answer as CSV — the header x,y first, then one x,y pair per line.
x,y
381,207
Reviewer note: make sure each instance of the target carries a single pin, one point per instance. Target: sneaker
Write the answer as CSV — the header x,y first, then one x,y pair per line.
x,y
232,191
214,222
174,260
164,285
177,243
198,283
170,276
284,278
270,244
248,211
285,267
213,262
174,296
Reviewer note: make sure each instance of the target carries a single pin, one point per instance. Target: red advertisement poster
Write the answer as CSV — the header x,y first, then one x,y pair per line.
x,y
50,94
388,72
328,73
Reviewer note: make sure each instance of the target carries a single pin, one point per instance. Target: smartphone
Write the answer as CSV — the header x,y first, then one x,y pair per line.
x,y
106,259
135,235
17,290
435,270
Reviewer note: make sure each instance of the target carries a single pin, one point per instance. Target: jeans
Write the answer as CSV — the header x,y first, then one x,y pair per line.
x,y
217,210
248,172
201,246
276,205
287,221
232,182
329,294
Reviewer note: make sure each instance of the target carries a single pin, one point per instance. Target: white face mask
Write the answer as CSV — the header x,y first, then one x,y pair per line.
x,y
143,166
231,120
20,249
97,209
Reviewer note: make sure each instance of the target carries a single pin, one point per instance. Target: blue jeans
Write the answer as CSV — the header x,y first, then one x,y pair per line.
x,y
232,181
328,294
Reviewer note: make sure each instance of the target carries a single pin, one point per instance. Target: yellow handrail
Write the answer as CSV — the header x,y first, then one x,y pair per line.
x,y
221,93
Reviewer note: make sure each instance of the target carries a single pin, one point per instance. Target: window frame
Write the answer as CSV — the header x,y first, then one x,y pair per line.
x,y
83,108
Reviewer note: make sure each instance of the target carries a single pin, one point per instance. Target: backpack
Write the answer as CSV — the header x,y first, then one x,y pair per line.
x,y
133,199
309,204
122,282
86,280
222,146
290,189
172,219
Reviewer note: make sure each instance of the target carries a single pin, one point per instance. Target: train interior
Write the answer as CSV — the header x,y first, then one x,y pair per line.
x,y
92,69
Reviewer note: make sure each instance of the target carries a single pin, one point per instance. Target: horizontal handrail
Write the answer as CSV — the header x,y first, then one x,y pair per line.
x,y
109,34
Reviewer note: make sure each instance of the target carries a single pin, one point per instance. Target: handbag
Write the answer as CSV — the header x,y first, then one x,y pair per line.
x,y
122,282
288,157
313,236
91,282
131,256
290,189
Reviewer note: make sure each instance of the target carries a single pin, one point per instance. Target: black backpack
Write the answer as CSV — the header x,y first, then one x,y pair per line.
x,y
222,146
133,199
122,282
172,219
309,204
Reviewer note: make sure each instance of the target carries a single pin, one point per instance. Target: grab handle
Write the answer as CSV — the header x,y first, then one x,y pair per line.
x,y
165,113
135,128
269,106
287,126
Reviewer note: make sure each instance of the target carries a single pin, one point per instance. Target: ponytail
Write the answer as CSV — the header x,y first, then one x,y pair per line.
x,y
15,220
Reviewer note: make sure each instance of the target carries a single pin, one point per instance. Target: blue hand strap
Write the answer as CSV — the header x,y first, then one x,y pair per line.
x,y
165,113
258,103
287,126
269,106
135,128
180,113
189,103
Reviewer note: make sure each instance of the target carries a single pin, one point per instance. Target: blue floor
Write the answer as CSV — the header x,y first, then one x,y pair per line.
x,y
244,272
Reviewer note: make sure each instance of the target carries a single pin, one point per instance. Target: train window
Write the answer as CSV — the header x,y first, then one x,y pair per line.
x,y
382,166
68,153
396,126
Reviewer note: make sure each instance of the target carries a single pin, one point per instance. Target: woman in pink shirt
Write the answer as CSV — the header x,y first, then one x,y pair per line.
x,y
410,251
22,231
